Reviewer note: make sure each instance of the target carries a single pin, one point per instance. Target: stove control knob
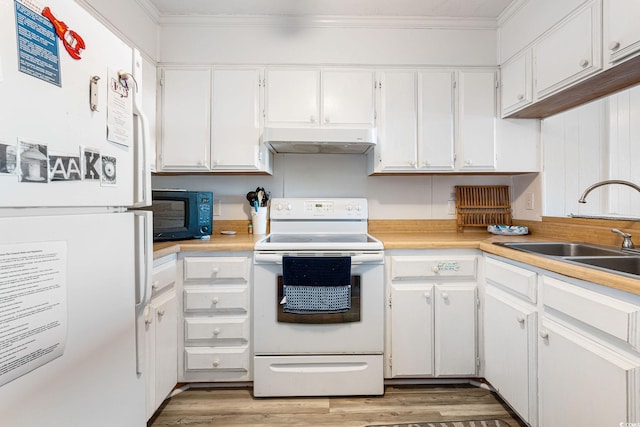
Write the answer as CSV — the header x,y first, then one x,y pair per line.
x,y
349,207
289,206
279,206
358,208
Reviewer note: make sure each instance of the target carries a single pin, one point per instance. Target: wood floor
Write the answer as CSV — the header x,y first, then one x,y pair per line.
x,y
400,404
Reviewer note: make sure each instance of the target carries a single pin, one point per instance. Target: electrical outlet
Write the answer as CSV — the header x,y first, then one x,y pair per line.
x,y
217,208
451,207
529,201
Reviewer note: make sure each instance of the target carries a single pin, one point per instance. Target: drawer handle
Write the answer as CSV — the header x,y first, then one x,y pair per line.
x,y
215,300
521,319
216,332
215,363
544,335
614,45
584,63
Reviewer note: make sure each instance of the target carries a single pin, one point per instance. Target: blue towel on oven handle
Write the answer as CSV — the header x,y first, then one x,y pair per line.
x,y
316,271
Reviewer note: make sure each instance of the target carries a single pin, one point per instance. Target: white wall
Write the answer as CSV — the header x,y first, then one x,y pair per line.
x,y
332,175
591,143
208,43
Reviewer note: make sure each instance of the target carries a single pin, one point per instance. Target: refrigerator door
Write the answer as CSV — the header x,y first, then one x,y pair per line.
x,y
74,139
90,312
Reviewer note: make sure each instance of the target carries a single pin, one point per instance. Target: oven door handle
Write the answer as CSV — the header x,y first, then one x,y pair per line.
x,y
276,258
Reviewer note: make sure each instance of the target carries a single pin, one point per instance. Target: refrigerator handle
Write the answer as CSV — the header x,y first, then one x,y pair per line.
x,y
144,269
142,196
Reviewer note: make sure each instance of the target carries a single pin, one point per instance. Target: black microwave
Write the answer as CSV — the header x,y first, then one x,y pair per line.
x,y
179,214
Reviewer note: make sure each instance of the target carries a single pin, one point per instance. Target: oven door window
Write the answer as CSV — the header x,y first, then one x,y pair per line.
x,y
344,305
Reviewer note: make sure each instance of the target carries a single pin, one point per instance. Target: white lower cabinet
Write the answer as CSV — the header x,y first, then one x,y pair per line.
x,y
215,324
582,368
161,319
432,312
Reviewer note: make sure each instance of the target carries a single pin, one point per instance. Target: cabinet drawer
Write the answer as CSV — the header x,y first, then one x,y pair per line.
x,y
221,358
515,279
216,268
163,275
220,298
217,329
609,315
411,267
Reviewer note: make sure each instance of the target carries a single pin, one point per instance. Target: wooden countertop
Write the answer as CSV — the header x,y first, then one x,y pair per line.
x,y
428,240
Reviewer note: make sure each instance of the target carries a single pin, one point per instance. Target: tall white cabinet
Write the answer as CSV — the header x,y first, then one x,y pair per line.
x,y
211,120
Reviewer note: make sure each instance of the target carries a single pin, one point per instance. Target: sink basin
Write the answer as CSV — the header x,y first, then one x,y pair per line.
x,y
564,249
617,264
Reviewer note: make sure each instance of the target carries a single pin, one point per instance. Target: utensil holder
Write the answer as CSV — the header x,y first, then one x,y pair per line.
x,y
259,220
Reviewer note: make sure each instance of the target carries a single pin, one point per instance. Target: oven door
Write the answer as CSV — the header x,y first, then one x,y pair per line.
x,y
360,330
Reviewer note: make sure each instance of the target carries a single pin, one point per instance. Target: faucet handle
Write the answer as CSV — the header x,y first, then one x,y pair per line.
x,y
626,243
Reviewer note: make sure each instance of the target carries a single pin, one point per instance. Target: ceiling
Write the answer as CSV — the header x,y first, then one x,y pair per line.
x,y
483,9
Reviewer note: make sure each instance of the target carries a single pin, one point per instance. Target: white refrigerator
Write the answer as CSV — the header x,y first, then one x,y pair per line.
x,y
75,261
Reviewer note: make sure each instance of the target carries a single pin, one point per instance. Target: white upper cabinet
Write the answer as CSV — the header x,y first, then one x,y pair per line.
x,y
621,29
348,98
477,120
211,120
312,97
237,120
185,142
397,121
436,120
517,83
569,52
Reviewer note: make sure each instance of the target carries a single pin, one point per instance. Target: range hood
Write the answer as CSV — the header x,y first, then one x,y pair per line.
x,y
319,140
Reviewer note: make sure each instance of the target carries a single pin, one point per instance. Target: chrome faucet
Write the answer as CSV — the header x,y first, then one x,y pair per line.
x,y
626,243
583,198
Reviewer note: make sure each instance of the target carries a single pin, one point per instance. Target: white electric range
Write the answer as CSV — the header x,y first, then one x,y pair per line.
x,y
318,301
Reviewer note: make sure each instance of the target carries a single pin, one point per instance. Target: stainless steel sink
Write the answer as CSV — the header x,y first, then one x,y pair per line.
x,y
629,265
564,249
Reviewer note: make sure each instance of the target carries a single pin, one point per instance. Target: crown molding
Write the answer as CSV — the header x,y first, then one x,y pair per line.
x,y
395,22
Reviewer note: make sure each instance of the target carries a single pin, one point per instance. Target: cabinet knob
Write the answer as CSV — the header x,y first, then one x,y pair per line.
x,y
215,300
312,119
521,319
161,312
327,120
215,271
426,164
468,162
544,335
614,45
520,97
584,63
155,284
427,295
215,363
445,296
414,165
214,162
148,320
216,332
435,269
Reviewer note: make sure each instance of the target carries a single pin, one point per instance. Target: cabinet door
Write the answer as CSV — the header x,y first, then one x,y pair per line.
x,y
517,83
292,98
397,124
622,37
348,98
568,53
583,382
510,351
165,310
236,119
186,120
412,330
455,329
477,120
436,120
